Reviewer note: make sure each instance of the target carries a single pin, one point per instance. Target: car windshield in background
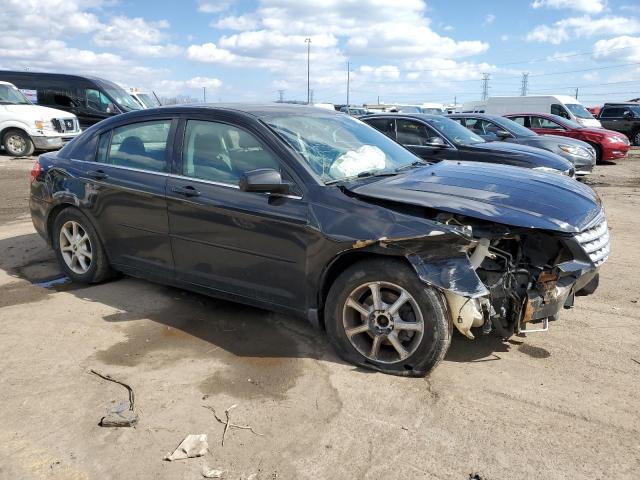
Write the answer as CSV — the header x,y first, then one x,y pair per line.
x,y
10,95
515,127
338,147
454,132
148,100
432,111
578,110
121,97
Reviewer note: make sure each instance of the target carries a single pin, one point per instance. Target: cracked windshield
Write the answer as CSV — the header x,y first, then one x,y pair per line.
x,y
338,147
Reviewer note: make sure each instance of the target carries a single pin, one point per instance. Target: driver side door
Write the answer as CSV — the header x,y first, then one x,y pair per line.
x,y
247,245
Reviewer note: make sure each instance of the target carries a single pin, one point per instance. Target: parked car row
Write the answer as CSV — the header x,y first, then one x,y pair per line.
x,y
313,213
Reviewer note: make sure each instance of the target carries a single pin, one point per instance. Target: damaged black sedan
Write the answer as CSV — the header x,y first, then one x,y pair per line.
x,y
314,213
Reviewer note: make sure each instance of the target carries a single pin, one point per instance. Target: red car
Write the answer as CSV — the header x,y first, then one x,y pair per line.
x,y
609,145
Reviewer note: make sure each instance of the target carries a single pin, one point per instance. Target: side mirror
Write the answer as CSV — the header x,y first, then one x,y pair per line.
x,y
436,142
111,108
627,114
265,180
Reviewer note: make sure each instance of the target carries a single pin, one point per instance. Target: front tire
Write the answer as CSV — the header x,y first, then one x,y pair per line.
x,y
379,315
78,248
17,143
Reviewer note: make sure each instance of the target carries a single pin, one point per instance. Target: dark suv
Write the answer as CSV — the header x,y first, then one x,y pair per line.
x,y
623,118
316,214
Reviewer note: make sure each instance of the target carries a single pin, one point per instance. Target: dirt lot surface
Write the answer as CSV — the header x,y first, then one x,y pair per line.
x,y
557,405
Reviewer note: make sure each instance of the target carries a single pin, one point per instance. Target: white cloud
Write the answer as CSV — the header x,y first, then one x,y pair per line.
x,y
382,72
623,48
586,6
137,36
489,19
193,85
241,22
585,26
52,19
209,53
213,6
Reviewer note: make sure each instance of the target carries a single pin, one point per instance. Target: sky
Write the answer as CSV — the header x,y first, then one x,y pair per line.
x,y
409,51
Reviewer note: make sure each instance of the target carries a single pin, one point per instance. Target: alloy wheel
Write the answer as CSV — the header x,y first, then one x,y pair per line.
x,y
383,322
75,246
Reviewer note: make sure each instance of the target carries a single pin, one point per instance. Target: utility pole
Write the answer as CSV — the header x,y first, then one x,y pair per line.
x,y
311,95
485,86
348,70
576,93
525,84
308,42
281,94
204,94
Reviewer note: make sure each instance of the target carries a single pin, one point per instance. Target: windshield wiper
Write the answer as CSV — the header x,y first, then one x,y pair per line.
x,y
417,163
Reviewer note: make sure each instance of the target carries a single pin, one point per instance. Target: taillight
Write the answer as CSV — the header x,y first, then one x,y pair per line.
x,y
35,171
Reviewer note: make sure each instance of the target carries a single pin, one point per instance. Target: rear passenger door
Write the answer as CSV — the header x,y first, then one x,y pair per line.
x,y
612,118
128,181
246,245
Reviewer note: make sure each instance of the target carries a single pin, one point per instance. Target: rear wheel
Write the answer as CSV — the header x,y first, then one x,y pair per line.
x,y
17,143
380,315
78,248
636,138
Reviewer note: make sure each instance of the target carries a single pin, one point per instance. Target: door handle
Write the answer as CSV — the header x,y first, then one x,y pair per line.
x,y
187,191
97,175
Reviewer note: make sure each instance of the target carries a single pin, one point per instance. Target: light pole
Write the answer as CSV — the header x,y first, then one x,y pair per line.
x,y
348,71
308,42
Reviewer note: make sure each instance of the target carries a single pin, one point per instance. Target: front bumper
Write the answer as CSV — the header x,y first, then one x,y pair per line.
x,y
615,153
51,141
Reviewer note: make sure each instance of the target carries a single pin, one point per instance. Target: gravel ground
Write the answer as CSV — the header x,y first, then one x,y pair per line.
x,y
556,405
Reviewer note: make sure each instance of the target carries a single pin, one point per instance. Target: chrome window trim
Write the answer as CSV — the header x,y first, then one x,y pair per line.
x,y
121,167
229,185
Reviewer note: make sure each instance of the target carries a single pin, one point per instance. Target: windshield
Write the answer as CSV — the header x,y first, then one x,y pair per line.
x,y
10,95
578,110
121,97
515,127
147,100
432,110
338,147
454,132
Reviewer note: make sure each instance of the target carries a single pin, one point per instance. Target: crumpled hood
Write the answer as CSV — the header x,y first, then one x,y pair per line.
x,y
499,193
37,112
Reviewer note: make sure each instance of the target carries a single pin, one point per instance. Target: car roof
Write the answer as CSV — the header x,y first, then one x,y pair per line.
x,y
488,116
621,104
419,116
255,109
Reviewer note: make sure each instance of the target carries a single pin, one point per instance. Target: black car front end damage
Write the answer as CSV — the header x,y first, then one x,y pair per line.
x,y
505,278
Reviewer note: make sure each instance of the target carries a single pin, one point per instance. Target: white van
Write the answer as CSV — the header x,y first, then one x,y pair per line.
x,y
562,105
145,99
25,127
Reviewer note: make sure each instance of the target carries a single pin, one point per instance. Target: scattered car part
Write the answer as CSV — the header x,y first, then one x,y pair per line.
x,y
191,447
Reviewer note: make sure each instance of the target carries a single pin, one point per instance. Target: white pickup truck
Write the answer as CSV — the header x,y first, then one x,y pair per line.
x,y
25,127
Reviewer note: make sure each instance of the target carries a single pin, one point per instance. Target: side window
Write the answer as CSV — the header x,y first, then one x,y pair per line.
x,y
412,133
139,145
385,125
612,112
222,153
520,120
97,101
557,109
540,122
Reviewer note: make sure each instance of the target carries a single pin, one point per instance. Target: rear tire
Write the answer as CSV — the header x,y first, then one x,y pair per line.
x,y
407,333
17,143
635,138
78,247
